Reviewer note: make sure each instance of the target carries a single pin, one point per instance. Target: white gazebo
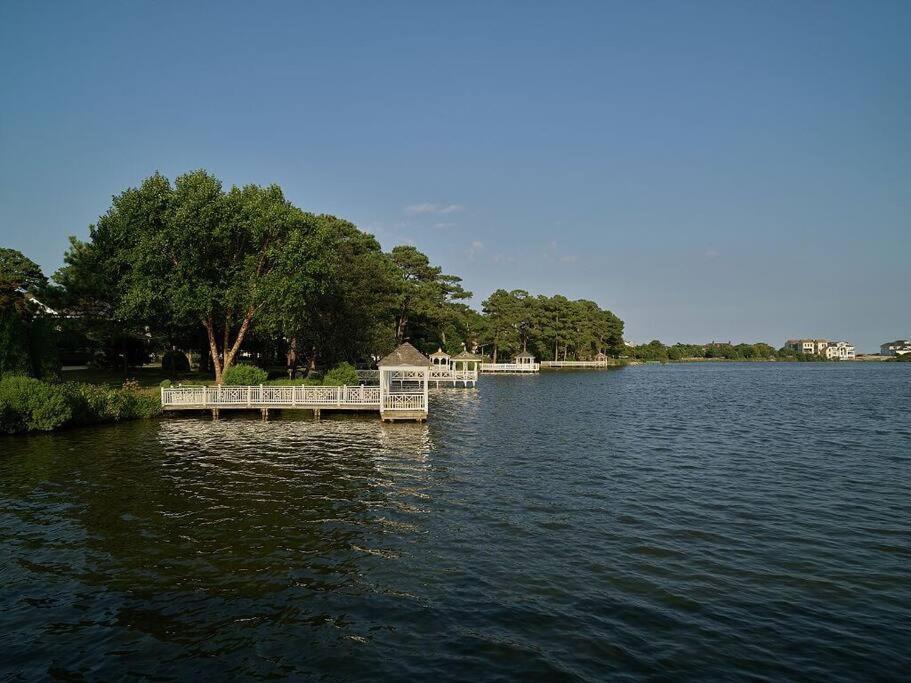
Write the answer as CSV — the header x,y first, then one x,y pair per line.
x,y
404,378
466,362
525,361
440,357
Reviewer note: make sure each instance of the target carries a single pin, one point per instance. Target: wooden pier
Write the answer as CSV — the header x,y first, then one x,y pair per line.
x,y
522,364
401,393
569,364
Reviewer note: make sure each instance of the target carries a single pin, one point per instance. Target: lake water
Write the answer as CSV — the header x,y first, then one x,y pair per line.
x,y
700,521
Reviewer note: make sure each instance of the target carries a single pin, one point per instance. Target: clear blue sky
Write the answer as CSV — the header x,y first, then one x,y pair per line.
x,y
707,170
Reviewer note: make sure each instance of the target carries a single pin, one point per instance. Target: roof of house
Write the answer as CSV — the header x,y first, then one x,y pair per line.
x,y
898,342
405,354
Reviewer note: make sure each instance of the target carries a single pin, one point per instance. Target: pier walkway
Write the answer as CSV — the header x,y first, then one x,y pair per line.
x,y
401,393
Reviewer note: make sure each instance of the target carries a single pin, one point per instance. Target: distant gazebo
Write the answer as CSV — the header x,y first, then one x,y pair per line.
x,y
466,361
404,378
524,358
440,357
601,357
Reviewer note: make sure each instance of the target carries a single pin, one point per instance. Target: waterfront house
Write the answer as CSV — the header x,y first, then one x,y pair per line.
x,y
807,346
899,347
839,350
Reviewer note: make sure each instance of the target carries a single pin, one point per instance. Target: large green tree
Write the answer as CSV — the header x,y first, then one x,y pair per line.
x,y
192,253
422,293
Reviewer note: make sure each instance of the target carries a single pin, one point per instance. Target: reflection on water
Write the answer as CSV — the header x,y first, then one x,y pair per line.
x,y
674,521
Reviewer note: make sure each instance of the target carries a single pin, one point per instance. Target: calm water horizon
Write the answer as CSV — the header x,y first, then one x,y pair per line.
x,y
712,521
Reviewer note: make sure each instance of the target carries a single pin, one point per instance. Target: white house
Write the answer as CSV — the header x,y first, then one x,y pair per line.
x,y
839,350
899,347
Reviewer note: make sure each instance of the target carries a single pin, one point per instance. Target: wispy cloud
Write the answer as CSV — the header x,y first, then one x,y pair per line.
x,y
711,254
553,253
443,226
476,247
431,208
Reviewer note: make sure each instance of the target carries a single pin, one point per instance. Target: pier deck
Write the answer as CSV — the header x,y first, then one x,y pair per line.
x,y
392,405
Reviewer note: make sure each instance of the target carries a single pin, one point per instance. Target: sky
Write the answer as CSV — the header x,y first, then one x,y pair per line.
x,y
707,170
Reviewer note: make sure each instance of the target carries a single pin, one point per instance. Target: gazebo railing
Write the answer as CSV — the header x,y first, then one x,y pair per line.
x,y
401,401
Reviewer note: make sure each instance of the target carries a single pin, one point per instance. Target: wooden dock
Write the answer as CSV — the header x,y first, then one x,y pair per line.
x,y
569,364
401,393
393,405
509,368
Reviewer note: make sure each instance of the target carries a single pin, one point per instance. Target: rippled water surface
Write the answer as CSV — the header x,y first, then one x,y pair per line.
x,y
701,521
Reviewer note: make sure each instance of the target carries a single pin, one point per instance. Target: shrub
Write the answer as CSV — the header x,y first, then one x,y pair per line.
x,y
308,382
341,374
93,404
165,384
175,363
28,404
245,374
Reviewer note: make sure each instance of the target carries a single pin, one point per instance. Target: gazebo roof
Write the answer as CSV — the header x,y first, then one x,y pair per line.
x,y
404,355
600,354
439,353
464,355
525,354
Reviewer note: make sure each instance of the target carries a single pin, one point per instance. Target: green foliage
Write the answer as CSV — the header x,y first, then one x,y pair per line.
x,y
175,363
245,374
14,356
28,404
423,293
93,404
190,265
27,339
165,384
342,374
303,382
553,328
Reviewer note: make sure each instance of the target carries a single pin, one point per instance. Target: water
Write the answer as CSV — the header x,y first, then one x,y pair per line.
x,y
719,521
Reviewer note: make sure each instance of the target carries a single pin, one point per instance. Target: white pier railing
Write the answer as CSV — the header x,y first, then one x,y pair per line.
x,y
510,367
268,397
576,363
359,397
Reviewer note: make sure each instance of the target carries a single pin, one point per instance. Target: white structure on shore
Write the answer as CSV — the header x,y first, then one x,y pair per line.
x,y
523,363
899,347
403,375
840,350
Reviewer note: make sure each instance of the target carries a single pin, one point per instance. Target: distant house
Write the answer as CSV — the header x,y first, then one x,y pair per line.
x,y
839,350
899,347
807,346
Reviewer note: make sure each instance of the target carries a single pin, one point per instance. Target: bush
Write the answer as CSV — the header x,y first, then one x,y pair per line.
x,y
28,404
175,363
308,382
245,374
165,384
341,374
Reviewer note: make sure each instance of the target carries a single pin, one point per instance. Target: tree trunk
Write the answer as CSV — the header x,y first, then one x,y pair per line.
x,y
292,357
213,349
311,362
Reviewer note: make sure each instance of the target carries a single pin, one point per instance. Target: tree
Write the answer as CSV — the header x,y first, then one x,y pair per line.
x,y
422,292
27,343
193,254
